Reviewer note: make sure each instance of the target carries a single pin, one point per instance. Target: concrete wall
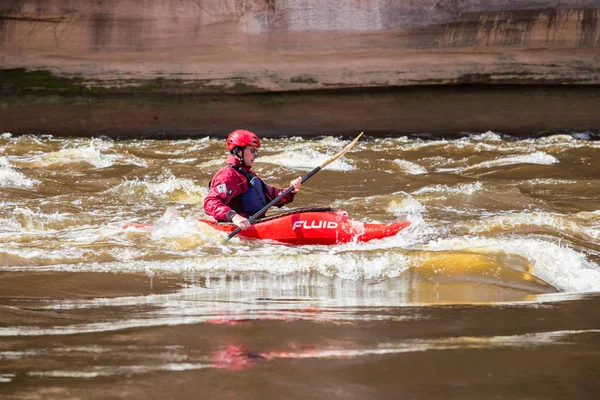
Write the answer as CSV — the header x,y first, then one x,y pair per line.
x,y
305,44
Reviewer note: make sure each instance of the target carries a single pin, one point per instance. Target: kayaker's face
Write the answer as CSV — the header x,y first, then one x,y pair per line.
x,y
250,154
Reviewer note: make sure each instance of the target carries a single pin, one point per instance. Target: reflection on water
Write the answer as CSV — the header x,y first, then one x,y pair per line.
x,y
500,267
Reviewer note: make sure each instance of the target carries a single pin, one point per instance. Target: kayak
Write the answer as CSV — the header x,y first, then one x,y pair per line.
x,y
312,226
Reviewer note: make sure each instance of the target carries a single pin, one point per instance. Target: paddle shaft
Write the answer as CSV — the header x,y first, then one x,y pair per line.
x,y
276,200
288,190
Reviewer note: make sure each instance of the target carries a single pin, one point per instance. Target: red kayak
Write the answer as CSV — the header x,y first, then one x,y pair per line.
x,y
314,226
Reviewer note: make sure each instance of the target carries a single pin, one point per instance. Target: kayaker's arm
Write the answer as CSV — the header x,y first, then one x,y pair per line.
x,y
224,187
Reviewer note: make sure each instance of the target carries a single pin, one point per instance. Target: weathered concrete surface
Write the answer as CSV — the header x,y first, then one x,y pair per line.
x,y
210,47
309,44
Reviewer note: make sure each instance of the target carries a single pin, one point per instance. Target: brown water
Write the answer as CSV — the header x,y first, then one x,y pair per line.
x,y
492,293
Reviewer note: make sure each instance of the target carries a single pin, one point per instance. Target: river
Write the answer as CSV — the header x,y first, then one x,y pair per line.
x,y
492,292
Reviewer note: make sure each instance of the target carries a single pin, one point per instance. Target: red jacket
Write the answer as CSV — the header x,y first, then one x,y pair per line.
x,y
222,201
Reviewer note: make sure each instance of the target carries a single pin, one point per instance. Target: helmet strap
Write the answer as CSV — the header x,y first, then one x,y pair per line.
x,y
240,149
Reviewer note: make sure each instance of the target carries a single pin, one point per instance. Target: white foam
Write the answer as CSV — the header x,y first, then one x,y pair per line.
x,y
582,135
182,147
212,164
99,326
35,220
555,263
556,139
345,262
85,154
183,233
488,136
410,167
112,370
555,143
307,159
174,184
538,157
183,160
10,177
171,188
306,155
406,206
490,142
466,189
558,223
5,378
421,345
544,181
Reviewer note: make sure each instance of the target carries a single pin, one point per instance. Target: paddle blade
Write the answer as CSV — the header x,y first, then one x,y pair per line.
x,y
342,152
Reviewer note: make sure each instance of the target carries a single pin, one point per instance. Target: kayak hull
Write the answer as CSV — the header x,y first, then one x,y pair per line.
x,y
312,227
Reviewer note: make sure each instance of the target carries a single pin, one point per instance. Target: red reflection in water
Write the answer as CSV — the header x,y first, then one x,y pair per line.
x,y
311,310
222,321
236,358
135,225
239,358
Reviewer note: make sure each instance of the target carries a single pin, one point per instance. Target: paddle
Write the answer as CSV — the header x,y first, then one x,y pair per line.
x,y
288,190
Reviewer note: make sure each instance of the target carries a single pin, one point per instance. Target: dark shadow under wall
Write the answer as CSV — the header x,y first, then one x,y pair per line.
x,y
438,111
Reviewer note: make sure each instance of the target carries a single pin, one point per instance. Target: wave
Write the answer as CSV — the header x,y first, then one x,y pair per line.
x,y
410,167
466,189
97,153
169,189
561,224
538,157
10,177
555,263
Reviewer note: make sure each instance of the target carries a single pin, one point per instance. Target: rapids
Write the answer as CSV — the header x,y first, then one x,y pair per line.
x,y
502,228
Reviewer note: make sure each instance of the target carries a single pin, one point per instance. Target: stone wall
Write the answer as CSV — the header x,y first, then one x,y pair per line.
x,y
309,44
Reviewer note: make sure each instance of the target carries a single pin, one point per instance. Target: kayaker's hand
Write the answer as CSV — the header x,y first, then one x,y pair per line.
x,y
240,221
296,183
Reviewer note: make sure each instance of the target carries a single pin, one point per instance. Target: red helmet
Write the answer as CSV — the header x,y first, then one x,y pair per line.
x,y
242,138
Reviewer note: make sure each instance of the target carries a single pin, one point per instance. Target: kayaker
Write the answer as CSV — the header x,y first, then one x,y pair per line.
x,y
236,192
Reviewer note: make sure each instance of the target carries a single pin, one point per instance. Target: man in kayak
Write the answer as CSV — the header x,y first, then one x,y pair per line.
x,y
235,191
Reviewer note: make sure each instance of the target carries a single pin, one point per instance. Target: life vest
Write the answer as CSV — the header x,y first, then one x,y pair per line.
x,y
254,198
